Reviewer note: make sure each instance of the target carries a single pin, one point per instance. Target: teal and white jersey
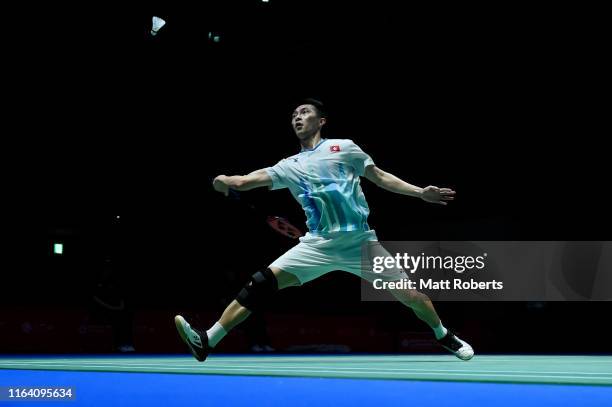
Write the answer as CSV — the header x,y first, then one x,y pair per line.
x,y
325,181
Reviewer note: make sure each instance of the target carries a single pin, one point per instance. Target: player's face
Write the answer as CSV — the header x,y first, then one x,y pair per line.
x,y
306,121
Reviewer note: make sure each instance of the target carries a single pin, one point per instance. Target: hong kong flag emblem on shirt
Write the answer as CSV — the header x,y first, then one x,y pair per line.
x,y
334,149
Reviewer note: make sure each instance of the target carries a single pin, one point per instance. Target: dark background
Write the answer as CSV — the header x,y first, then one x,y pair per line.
x,y
502,103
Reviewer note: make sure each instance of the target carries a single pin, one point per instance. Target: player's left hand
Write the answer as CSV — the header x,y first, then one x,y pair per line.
x,y
220,185
438,195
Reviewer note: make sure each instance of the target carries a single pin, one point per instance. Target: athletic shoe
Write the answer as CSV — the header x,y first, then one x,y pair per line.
x,y
196,340
458,347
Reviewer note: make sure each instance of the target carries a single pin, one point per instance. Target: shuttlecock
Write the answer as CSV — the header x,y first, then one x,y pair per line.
x,y
158,23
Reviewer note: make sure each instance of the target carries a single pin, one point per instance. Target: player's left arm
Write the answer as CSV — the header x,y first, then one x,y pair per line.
x,y
392,183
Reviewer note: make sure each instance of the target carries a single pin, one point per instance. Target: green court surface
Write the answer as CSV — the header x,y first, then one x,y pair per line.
x,y
583,370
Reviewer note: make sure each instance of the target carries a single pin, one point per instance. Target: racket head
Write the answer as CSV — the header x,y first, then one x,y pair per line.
x,y
284,227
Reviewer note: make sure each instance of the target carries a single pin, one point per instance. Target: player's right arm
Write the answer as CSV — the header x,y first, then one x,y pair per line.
x,y
256,179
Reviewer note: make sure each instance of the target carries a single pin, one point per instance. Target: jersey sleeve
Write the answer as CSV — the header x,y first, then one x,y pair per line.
x,y
278,173
357,158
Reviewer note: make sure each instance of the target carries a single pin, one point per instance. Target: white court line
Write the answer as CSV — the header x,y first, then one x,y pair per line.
x,y
374,372
328,369
347,359
258,367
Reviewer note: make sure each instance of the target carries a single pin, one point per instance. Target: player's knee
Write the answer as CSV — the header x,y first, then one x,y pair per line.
x,y
256,293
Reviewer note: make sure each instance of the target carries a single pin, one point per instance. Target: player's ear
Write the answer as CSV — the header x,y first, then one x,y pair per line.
x,y
322,121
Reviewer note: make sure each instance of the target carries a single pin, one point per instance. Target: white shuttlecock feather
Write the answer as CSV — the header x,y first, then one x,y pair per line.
x,y
158,23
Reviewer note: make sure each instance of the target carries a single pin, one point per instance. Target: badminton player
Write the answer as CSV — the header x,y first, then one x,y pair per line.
x,y
324,177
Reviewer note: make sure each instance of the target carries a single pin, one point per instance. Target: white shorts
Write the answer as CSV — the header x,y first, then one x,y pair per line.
x,y
317,255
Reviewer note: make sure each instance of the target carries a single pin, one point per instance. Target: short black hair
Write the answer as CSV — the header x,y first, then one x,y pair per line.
x,y
321,110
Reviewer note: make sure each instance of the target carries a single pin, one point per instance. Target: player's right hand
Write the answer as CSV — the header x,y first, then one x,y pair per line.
x,y
220,184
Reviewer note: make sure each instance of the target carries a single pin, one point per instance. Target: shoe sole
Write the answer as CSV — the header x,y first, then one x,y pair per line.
x,y
180,322
455,353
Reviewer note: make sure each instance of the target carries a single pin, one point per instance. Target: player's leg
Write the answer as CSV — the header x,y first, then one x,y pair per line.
x,y
422,307
304,262
253,296
425,311
352,256
235,312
